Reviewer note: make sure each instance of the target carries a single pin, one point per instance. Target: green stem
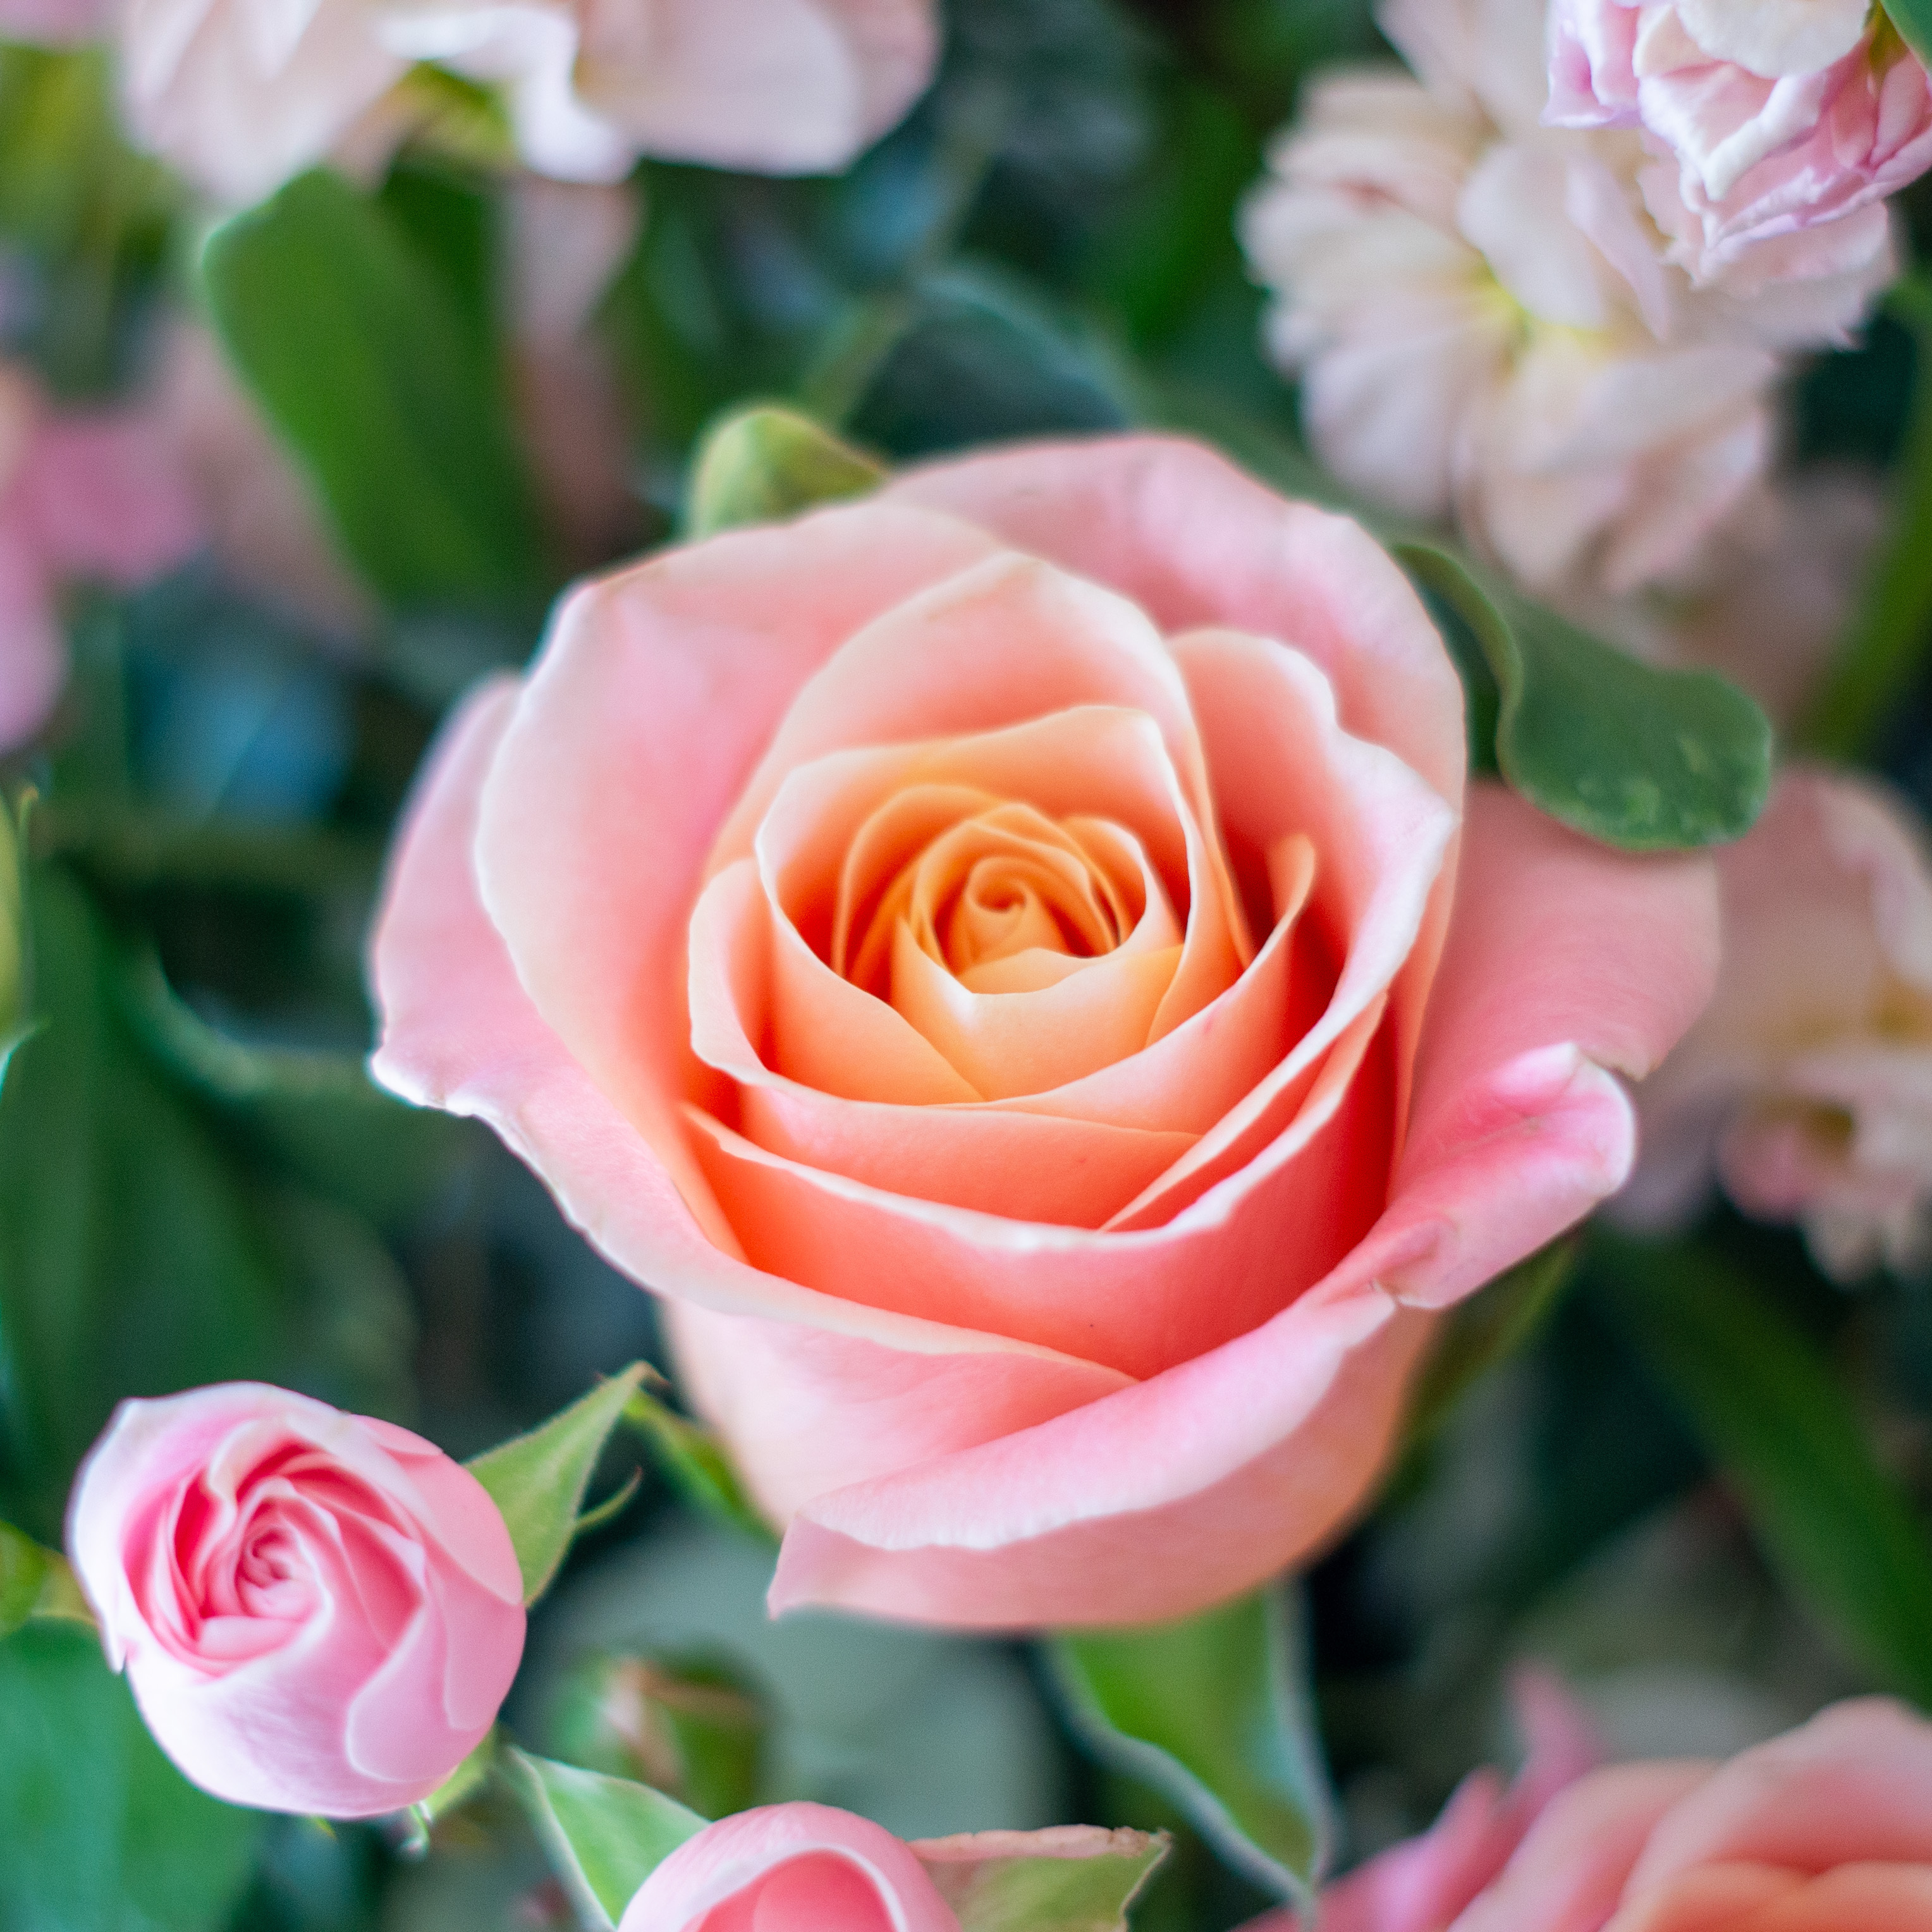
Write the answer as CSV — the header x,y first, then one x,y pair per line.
x,y
1884,651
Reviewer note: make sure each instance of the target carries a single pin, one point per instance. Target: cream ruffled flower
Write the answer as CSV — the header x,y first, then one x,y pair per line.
x,y
1484,324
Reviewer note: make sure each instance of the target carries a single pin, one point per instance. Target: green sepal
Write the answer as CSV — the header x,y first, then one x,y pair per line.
x,y
695,1462
538,1480
1211,1712
1641,758
764,464
1077,1878
604,1836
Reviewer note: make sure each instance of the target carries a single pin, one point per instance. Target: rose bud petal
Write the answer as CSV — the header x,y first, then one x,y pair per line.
x,y
1016,962
317,1612
790,1868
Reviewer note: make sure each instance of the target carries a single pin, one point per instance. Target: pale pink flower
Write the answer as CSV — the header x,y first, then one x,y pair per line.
x,y
1806,1090
1484,322
317,1612
241,94
1774,117
83,495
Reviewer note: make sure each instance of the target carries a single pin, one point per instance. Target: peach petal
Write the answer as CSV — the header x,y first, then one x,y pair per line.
x,y
589,853
1716,1898
1568,1874
1278,754
460,1033
773,1387
1035,1167
1854,1784
1132,1301
1521,1139
1196,543
1009,640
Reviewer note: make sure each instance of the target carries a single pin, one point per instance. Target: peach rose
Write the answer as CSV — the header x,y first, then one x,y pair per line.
x,y
317,1612
1828,1828
1014,961
1807,1087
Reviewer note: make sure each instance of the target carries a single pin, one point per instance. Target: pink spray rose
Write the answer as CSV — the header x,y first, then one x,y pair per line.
x,y
803,1868
1018,963
318,1613
96,495
1808,1085
240,95
1777,117
1828,1828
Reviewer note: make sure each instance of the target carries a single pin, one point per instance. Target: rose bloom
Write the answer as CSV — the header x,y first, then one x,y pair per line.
x,y
1807,1087
240,95
1483,324
801,1868
317,1612
1826,1829
1016,963
82,495
1777,119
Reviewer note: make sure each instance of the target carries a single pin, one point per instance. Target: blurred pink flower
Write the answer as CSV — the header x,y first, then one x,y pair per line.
x,y
1806,1089
1484,324
240,95
1775,116
317,1612
91,495
54,22
1423,1884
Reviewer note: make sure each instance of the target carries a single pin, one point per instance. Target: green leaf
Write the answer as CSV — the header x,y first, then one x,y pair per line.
x,y
1883,649
1486,1330
604,1836
1076,1879
696,1463
1776,1423
538,1480
24,1567
1211,1712
1644,759
98,1832
16,983
1913,19
762,464
361,355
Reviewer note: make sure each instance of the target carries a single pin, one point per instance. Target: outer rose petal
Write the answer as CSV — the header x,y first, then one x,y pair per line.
x,y
1201,1481
832,1872
461,1033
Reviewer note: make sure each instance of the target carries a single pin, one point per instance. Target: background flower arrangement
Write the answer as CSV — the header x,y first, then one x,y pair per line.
x,y
1221,1345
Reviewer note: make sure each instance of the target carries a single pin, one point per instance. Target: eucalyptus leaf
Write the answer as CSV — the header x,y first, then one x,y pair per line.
x,y
763,463
1211,1712
1775,1420
697,1465
538,1480
1644,759
604,1836
360,354
98,1832
1077,1878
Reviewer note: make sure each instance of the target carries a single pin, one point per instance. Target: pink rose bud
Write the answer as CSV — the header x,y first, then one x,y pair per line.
x,y
790,1868
317,1612
1777,116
